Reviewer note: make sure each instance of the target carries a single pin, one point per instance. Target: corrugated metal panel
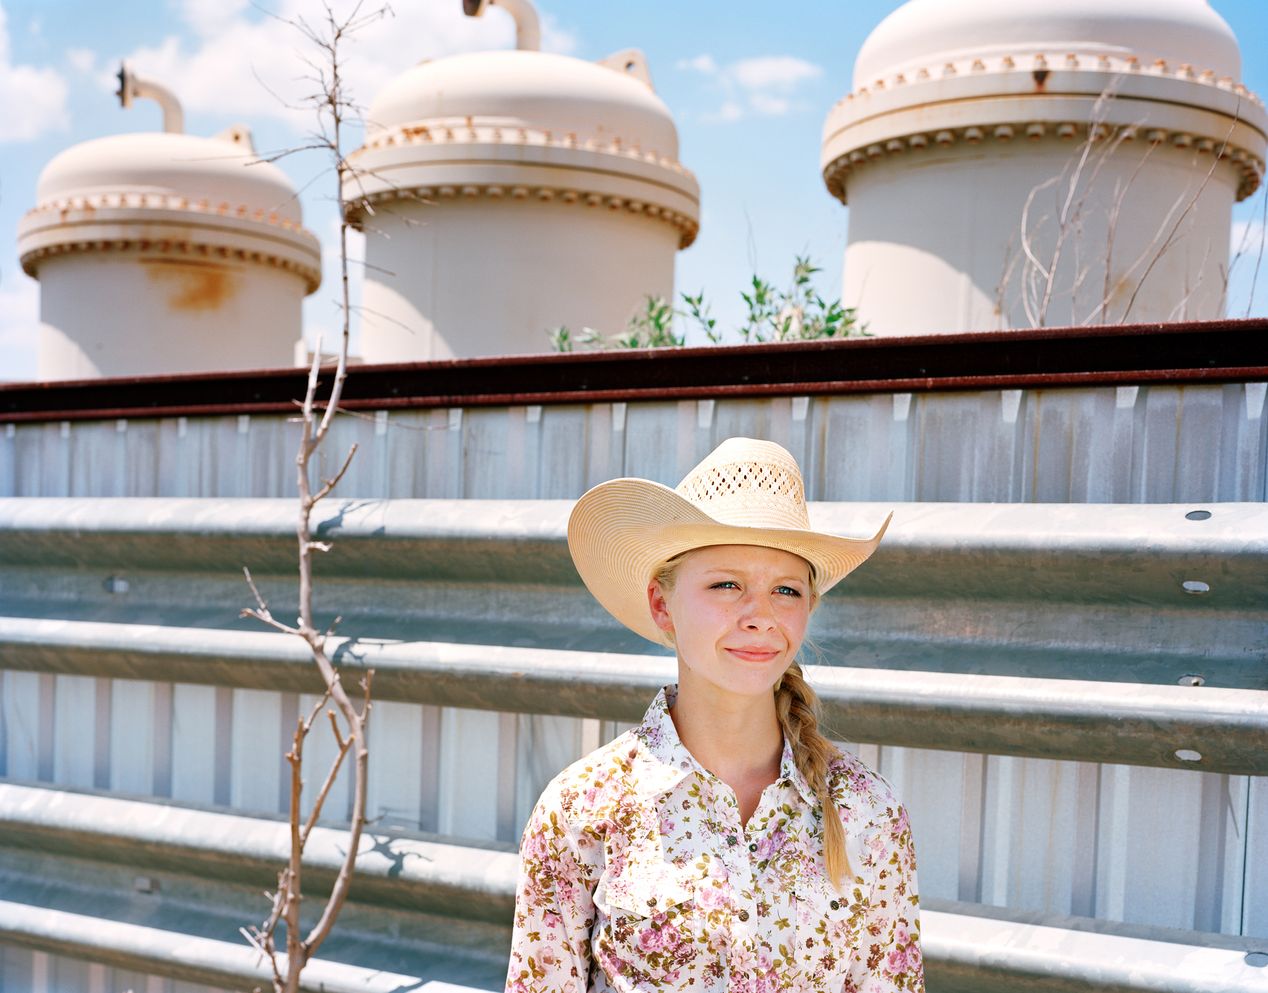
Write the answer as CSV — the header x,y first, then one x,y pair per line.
x,y
1124,444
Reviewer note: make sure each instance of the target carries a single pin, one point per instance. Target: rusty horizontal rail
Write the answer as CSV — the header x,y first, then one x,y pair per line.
x,y
1215,351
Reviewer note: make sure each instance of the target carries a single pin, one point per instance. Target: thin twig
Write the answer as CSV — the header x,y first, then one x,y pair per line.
x,y
330,484
336,763
1259,255
261,611
1216,155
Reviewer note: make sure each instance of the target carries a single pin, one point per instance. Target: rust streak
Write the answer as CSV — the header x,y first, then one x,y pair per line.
x,y
193,284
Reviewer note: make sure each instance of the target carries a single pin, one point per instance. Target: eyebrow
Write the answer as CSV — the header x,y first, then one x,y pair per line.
x,y
723,570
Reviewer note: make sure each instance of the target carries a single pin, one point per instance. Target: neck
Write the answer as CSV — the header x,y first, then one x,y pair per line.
x,y
737,738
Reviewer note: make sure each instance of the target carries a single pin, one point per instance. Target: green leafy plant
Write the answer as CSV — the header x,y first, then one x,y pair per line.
x,y
798,313
651,327
562,340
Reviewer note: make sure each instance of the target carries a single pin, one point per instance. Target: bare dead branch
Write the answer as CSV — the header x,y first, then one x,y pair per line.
x,y
1216,155
332,104
357,729
261,611
331,483
340,740
1181,310
362,309
1259,255
366,680
316,709
294,944
1065,266
319,801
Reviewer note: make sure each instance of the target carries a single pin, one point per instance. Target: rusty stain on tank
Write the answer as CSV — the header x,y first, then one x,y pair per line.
x,y
193,284
1040,77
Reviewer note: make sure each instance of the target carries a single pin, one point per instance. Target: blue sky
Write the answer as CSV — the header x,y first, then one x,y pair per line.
x,y
749,84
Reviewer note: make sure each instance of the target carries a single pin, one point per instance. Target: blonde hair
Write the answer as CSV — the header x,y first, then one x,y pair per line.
x,y
797,707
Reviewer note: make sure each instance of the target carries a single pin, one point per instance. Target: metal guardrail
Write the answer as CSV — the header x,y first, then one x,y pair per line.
x,y
420,875
1114,553
982,951
186,957
1140,594
1009,595
1192,727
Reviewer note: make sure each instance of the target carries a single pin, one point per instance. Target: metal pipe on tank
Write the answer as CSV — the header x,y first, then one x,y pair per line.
x,y
132,86
528,31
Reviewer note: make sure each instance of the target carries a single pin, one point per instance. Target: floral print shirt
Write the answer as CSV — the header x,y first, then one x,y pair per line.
x,y
637,875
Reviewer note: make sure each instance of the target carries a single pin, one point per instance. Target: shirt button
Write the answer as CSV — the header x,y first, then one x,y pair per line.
x,y
752,846
836,904
743,914
732,839
652,902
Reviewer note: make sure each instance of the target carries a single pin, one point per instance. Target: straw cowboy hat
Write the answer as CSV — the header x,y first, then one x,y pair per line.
x,y
745,492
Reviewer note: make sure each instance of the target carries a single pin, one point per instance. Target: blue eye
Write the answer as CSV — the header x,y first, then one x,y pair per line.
x,y
725,584
788,591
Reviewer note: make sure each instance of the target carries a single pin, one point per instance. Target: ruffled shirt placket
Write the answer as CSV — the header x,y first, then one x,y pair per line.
x,y
745,852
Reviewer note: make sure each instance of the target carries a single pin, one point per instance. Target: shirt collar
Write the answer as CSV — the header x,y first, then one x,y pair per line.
x,y
664,762
788,770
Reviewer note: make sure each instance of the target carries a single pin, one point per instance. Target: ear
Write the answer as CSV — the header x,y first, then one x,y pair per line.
x,y
659,607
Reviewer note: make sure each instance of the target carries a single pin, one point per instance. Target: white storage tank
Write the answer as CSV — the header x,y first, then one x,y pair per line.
x,y
164,252
1044,164
505,193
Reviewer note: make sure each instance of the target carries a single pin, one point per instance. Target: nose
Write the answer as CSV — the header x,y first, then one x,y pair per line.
x,y
758,613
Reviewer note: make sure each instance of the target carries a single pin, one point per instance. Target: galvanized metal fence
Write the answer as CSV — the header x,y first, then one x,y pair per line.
x,y
1082,749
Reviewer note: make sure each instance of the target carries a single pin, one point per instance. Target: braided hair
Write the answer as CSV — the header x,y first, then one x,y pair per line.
x,y
797,707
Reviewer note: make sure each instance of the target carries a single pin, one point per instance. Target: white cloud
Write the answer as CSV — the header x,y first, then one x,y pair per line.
x,y
209,17
82,59
769,104
34,99
247,63
765,85
19,325
704,64
778,72
556,38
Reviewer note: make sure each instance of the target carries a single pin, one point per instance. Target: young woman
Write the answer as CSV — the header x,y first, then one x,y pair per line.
x,y
724,845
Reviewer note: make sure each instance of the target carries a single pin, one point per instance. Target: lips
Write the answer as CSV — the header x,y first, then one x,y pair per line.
x,y
754,653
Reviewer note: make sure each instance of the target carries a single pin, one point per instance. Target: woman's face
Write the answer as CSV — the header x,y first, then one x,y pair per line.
x,y
737,613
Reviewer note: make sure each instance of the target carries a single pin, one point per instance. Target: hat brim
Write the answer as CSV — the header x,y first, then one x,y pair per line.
x,y
620,531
